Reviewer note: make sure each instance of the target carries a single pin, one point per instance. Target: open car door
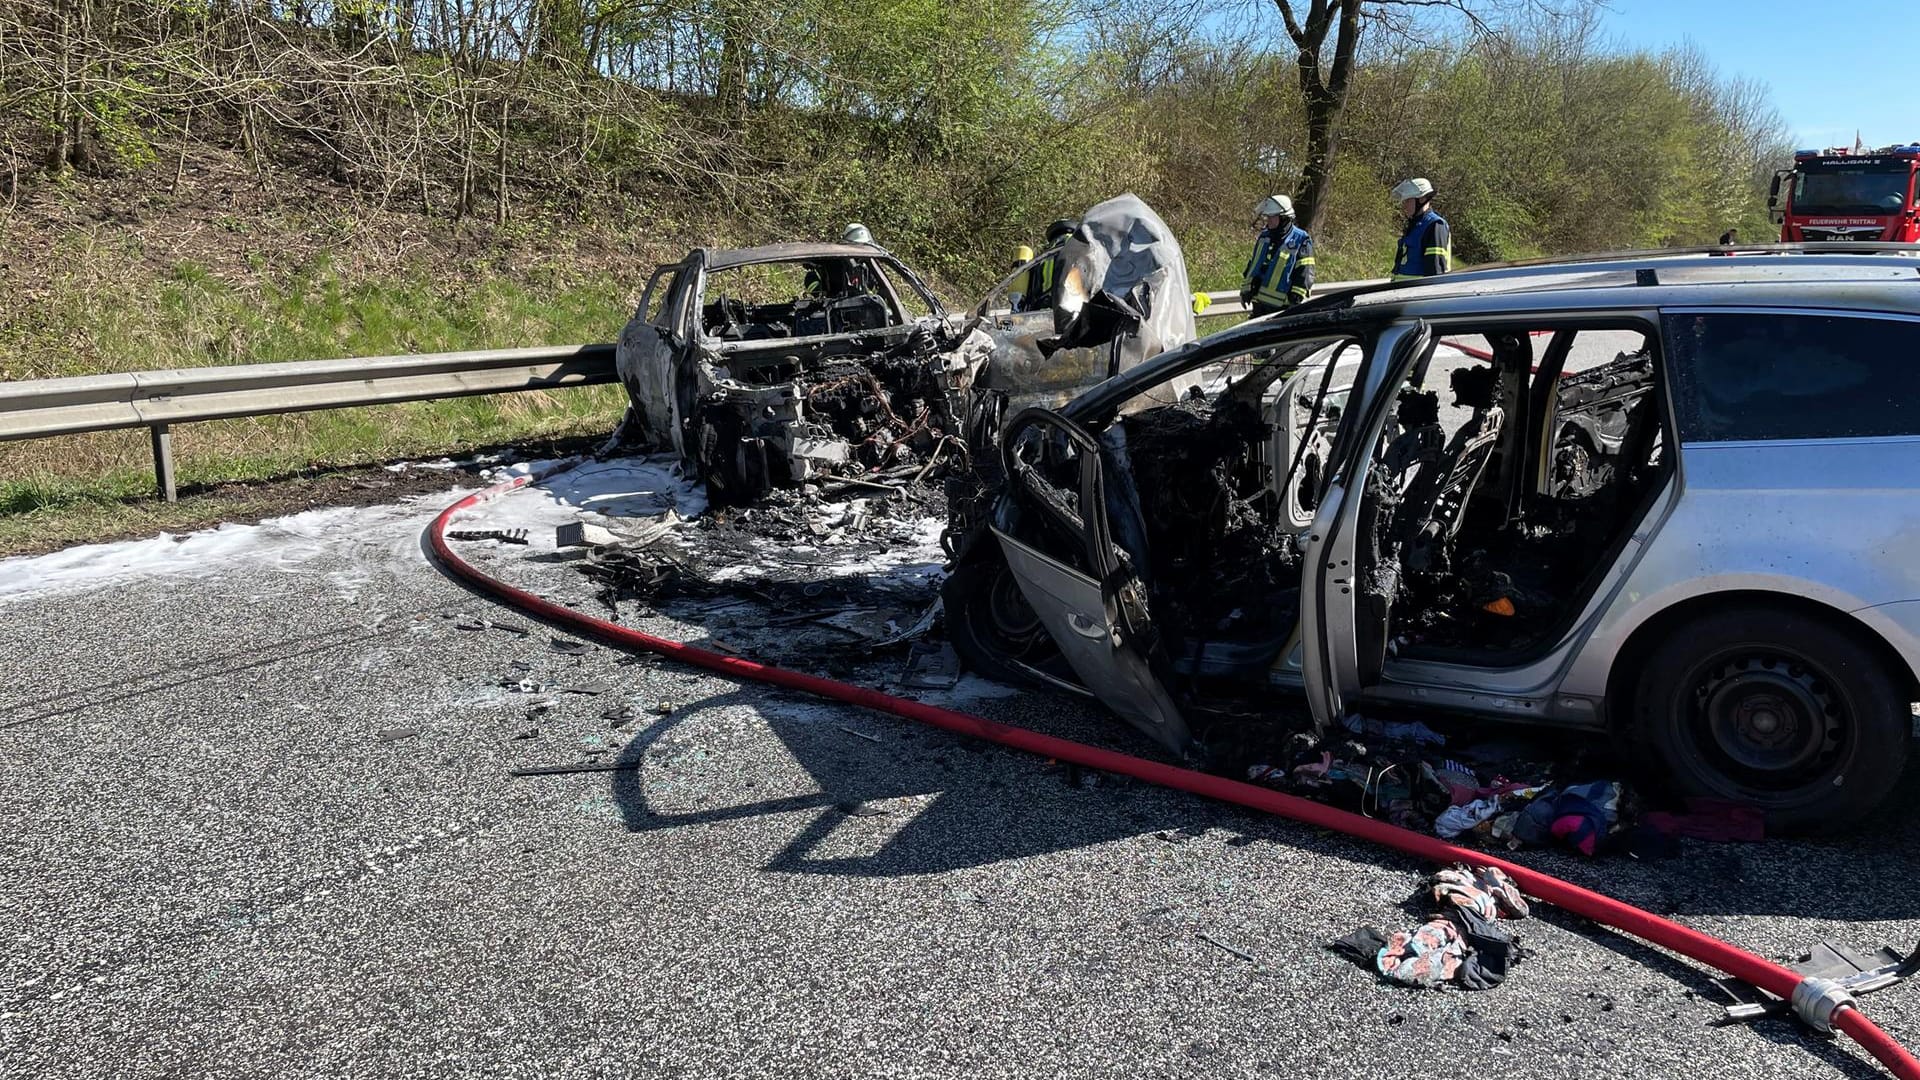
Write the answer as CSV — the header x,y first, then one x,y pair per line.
x,y
1096,611
1345,592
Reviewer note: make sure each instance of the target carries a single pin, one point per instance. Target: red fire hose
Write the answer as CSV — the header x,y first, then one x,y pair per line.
x,y
1819,1002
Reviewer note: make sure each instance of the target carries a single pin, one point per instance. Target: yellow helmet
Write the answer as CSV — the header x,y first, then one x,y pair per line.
x,y
1023,254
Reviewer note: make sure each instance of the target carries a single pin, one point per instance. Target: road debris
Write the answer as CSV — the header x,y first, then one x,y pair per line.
x,y
505,536
1218,944
931,666
861,734
1465,941
576,767
489,624
398,733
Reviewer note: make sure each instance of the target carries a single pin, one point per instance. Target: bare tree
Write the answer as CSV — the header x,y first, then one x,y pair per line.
x,y
1324,82
1326,37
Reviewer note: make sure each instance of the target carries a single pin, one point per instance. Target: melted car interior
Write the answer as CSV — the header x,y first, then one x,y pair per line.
x,y
1515,464
766,301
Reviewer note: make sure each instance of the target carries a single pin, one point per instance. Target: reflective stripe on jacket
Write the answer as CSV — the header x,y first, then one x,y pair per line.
x,y
1039,291
1426,248
1281,270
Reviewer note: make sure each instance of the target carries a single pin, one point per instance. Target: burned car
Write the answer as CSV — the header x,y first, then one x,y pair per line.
x,y
778,365
1674,503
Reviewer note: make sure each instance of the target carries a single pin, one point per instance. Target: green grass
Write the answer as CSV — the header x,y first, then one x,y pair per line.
x,y
105,317
99,310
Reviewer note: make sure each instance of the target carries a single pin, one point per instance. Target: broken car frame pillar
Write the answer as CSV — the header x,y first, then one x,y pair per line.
x,y
163,460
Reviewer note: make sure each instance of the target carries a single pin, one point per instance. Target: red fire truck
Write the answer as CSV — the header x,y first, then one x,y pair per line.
x,y
1839,194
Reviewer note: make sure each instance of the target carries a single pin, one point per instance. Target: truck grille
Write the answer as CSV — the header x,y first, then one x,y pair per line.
x,y
1858,232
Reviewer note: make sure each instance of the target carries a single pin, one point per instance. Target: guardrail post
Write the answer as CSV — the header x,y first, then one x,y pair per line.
x,y
163,460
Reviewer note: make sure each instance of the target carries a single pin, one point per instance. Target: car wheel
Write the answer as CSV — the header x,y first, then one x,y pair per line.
x,y
1776,709
991,624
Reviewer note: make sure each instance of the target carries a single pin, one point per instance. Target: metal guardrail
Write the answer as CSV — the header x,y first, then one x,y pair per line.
x,y
1228,303
156,400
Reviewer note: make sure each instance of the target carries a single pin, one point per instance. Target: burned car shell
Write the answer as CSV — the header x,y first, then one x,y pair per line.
x,y
1736,522
696,392
760,394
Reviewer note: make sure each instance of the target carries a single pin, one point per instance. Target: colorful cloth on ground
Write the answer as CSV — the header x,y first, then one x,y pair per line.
x,y
1455,820
1428,956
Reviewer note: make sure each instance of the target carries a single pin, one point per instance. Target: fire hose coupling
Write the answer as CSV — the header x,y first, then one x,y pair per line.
x,y
1816,1001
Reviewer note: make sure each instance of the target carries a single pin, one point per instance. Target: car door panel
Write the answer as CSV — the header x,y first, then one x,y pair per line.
x,y
1077,616
1335,623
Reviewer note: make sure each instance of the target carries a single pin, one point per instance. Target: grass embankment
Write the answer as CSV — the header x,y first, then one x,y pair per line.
x,y
96,321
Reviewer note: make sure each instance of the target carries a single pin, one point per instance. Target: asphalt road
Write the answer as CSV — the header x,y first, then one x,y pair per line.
x,y
259,822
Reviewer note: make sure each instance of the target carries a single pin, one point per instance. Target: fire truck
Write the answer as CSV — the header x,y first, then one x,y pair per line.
x,y
1840,194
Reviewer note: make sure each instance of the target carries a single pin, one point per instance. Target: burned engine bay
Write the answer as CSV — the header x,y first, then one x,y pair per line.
x,y
824,385
795,363
879,402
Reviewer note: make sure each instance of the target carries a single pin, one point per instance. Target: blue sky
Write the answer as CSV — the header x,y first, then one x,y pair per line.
x,y
1832,67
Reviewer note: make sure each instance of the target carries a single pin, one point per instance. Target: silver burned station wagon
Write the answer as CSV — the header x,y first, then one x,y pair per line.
x,y
1670,496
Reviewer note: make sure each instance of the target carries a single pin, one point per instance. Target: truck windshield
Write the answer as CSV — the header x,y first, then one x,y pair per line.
x,y
1843,190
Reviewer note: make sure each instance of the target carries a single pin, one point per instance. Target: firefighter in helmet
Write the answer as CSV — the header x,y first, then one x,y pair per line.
x,y
1044,277
1426,241
840,277
1280,274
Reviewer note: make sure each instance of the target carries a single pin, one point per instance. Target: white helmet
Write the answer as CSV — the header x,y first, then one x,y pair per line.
x,y
1274,204
1417,188
856,233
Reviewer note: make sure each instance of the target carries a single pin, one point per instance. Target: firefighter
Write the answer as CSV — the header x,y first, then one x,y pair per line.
x,y
842,279
1280,274
1044,277
1426,243
1017,284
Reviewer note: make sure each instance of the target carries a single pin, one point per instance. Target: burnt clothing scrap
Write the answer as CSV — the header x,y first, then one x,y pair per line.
x,y
1491,950
1426,956
1579,816
1464,944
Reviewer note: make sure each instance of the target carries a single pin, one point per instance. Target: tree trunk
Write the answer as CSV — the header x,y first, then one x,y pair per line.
x,y
65,113
731,93
500,169
1325,95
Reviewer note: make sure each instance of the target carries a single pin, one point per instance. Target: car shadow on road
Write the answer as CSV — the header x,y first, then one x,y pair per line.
x,y
949,802
975,803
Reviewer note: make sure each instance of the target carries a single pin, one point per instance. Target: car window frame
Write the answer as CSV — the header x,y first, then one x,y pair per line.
x,y
654,284
1648,321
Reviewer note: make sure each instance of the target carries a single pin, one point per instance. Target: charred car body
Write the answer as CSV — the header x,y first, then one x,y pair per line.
x,y
778,365
1676,503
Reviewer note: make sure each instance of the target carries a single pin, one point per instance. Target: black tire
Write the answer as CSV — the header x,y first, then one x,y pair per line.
x,y
991,625
1778,709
